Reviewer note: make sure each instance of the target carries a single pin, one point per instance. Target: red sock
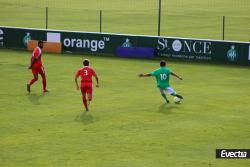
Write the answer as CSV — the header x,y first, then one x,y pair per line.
x,y
84,100
33,81
44,82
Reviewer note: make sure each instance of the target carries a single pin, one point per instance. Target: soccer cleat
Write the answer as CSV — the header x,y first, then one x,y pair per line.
x,y
179,96
28,88
167,101
45,91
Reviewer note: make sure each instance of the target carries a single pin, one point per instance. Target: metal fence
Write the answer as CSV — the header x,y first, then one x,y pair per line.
x,y
144,22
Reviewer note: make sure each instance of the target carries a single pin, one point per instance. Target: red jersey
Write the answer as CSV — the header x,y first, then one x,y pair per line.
x,y
37,53
86,74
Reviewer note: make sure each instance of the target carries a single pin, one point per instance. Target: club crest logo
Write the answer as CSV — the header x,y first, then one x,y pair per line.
x,y
1,37
127,43
26,39
232,54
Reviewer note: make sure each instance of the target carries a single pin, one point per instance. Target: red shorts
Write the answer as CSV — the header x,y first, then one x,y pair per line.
x,y
87,89
38,70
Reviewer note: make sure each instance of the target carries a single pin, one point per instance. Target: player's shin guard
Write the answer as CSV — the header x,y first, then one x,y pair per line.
x,y
84,100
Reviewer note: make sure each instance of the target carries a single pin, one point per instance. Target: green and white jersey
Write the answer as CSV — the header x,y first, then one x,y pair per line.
x,y
162,77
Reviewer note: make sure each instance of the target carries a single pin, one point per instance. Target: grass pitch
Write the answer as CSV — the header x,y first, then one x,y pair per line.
x,y
128,125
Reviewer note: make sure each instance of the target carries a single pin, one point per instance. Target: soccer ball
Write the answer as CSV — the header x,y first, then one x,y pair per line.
x,y
177,100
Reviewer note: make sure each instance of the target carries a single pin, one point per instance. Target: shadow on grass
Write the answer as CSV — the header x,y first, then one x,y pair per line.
x,y
34,98
167,108
85,117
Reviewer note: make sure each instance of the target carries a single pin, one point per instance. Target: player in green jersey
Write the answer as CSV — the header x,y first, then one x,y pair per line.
x,y
162,75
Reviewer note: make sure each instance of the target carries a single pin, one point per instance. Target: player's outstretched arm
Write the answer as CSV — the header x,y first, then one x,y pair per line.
x,y
172,73
77,86
144,75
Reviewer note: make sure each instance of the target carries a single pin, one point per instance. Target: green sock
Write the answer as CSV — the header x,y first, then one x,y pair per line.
x,y
173,94
164,96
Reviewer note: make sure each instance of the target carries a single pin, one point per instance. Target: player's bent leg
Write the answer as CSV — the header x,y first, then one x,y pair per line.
x,y
89,92
89,98
164,95
44,84
35,78
173,93
84,100
32,81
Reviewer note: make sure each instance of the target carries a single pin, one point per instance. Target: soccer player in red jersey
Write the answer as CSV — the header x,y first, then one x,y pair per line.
x,y
86,74
37,67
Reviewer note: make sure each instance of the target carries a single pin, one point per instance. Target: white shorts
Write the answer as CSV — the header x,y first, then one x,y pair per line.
x,y
168,89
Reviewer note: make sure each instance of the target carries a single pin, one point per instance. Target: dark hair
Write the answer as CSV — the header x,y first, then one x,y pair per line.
x,y
85,62
163,63
40,42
